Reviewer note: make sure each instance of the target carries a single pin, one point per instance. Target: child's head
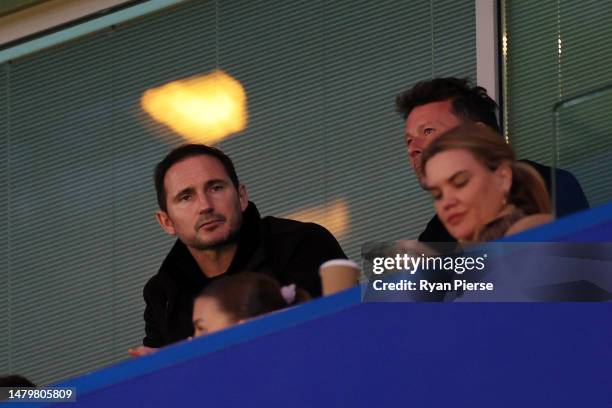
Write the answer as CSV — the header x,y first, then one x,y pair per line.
x,y
235,298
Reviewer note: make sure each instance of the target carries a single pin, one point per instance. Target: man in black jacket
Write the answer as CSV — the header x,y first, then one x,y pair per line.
x,y
219,232
432,107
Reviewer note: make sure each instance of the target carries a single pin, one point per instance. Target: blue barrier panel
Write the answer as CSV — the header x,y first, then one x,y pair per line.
x,y
336,351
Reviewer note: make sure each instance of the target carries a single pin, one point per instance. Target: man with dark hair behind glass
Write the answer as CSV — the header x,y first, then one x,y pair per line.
x,y
432,107
220,232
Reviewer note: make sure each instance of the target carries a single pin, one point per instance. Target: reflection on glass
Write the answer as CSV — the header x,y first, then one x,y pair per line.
x,y
202,109
583,142
335,216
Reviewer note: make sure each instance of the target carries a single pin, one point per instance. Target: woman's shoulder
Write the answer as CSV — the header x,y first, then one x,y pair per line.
x,y
529,221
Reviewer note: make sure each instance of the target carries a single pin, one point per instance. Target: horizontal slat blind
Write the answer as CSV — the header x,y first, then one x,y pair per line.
x,y
323,126
5,297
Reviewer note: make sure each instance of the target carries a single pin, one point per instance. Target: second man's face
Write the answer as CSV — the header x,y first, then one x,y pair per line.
x,y
424,124
204,209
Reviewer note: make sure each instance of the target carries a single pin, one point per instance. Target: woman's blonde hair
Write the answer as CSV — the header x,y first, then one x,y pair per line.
x,y
528,191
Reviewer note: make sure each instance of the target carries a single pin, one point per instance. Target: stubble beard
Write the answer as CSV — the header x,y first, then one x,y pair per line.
x,y
214,245
223,242
420,179
419,176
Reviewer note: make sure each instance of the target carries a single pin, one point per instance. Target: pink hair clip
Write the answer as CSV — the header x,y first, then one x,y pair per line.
x,y
288,293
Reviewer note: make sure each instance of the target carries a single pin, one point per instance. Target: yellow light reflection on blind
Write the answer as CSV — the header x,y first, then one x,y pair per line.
x,y
202,109
334,216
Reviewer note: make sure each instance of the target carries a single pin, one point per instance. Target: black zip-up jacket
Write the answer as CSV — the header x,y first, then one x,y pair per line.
x,y
291,251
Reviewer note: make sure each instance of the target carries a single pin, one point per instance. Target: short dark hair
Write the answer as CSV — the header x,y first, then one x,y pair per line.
x,y
181,153
469,102
246,294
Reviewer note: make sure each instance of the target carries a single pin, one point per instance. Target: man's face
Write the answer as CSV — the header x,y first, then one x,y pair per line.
x,y
204,209
424,124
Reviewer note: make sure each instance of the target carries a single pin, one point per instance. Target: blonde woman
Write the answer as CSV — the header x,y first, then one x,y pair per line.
x,y
480,191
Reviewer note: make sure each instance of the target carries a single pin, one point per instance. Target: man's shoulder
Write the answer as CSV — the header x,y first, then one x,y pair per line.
x,y
287,235
296,249
171,270
570,197
546,171
155,285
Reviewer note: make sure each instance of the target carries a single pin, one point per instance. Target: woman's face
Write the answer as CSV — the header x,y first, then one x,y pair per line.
x,y
208,317
466,194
